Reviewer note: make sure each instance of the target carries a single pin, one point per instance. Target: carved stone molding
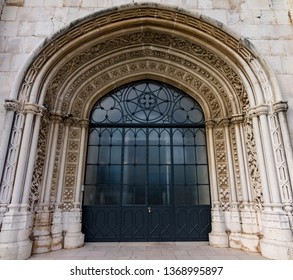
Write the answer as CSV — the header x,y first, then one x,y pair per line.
x,y
159,65
281,106
259,110
12,105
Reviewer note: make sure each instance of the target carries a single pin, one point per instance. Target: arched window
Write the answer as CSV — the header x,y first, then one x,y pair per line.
x,y
147,150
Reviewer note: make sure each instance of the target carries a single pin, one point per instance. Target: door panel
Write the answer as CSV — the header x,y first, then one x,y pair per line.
x,y
101,223
134,224
193,222
161,223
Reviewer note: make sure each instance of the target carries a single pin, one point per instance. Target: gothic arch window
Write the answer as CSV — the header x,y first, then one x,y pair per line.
x,y
147,166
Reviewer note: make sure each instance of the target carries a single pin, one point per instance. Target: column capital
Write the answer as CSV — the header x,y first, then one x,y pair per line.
x,y
210,123
12,105
281,106
258,111
84,122
224,122
57,118
236,119
31,108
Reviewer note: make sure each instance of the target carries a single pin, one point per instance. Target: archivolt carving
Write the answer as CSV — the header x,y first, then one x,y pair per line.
x,y
71,165
255,182
42,152
222,166
144,67
157,13
156,39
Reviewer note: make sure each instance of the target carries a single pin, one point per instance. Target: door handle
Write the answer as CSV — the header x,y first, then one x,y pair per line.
x,y
149,209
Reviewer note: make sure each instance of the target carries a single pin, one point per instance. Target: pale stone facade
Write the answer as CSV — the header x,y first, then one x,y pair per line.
x,y
234,57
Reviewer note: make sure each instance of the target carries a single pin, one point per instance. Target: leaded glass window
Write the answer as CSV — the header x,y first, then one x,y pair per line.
x,y
147,147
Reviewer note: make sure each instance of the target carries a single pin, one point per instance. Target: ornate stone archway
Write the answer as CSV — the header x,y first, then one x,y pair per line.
x,y
248,144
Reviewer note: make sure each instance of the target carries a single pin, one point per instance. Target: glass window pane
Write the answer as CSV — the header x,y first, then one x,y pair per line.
x,y
133,195
140,154
179,195
154,155
178,155
140,175
190,173
159,195
141,137
129,137
165,137
200,137
189,155
105,138
201,154
189,137
92,155
191,195
116,155
177,137
104,155
117,136
89,195
202,173
103,174
128,175
129,154
154,178
165,155
91,175
115,175
165,175
154,137
204,194
179,177
113,195
94,138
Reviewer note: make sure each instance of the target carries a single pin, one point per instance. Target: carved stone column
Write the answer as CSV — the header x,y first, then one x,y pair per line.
x,y
284,159
57,219
12,108
218,236
277,241
249,240
234,215
17,221
74,238
42,238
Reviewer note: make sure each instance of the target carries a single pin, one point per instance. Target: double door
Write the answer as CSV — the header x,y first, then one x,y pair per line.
x,y
146,184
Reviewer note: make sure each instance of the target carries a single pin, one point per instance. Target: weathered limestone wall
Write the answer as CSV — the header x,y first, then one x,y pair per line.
x,y
268,24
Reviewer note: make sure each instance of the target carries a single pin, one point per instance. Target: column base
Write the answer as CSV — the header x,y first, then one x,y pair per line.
x,y
245,242
73,240
218,239
276,250
20,250
42,244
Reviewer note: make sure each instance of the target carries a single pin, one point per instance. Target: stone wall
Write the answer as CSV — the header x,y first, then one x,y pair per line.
x,y
267,24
